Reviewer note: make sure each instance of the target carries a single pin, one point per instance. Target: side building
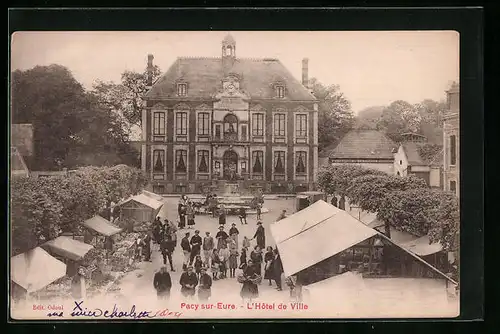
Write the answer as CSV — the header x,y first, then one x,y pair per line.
x,y
212,120
451,140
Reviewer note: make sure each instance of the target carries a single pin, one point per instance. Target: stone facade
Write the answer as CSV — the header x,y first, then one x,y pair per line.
x,y
451,140
239,120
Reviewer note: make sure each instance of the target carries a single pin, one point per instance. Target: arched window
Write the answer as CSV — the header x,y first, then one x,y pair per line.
x,y
230,127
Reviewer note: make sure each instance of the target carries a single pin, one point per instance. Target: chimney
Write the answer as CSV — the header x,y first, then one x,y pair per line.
x,y
305,72
149,78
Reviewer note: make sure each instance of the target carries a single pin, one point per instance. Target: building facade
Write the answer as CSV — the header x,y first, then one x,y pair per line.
x,y
367,148
451,140
233,119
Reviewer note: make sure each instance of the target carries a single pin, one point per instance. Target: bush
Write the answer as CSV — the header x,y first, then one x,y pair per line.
x,y
42,208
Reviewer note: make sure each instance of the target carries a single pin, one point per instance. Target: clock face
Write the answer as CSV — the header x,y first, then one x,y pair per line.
x,y
230,87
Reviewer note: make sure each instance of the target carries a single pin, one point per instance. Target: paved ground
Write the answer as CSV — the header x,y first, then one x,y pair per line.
x,y
137,286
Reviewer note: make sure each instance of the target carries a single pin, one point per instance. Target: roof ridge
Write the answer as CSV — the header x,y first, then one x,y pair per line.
x,y
199,58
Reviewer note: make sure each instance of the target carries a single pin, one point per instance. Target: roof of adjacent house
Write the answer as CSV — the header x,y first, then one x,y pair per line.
x,y
35,269
204,79
143,199
412,152
364,144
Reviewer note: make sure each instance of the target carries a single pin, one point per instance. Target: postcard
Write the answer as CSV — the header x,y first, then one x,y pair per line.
x,y
234,175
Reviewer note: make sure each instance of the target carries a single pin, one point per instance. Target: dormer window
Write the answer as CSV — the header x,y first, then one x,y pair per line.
x,y
182,89
280,91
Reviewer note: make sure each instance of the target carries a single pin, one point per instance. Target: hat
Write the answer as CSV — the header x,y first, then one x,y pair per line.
x,y
197,231
233,224
190,267
259,223
221,226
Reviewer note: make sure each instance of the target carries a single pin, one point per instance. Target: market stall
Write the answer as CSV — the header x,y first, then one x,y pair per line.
x,y
140,208
68,250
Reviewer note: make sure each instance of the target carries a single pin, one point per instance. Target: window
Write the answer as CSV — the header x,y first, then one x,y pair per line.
x,y
181,123
217,131
453,150
203,161
279,125
204,123
301,162
398,173
159,123
182,89
257,124
279,162
400,162
180,161
158,161
301,126
453,187
280,91
244,133
257,162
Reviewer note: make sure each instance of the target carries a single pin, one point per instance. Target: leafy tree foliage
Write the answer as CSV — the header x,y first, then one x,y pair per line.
x,y
335,116
42,208
399,117
71,128
125,98
406,203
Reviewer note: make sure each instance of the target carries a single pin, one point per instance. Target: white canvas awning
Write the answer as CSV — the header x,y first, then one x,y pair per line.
x,y
145,200
157,197
316,233
68,248
35,269
101,226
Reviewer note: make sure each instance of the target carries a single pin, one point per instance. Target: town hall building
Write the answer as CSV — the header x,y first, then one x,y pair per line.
x,y
229,119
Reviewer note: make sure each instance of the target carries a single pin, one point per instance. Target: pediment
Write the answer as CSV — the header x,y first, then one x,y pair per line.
x,y
300,109
181,106
203,106
257,107
159,106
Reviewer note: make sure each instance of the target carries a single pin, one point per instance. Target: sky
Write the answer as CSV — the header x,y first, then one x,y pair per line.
x,y
372,68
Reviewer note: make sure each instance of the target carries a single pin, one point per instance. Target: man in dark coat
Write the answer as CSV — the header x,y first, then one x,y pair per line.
x,y
260,236
167,249
342,203
196,242
162,283
147,248
186,250
277,269
188,282
205,288
334,201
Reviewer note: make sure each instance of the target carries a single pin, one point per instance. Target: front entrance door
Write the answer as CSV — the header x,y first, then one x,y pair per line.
x,y
230,165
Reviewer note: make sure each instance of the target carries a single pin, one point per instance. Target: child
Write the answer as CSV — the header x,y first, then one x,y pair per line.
x,y
233,259
222,267
246,243
198,264
215,264
259,210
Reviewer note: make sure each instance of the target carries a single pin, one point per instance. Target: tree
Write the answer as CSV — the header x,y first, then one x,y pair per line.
x,y
69,123
42,208
399,117
125,98
336,179
369,117
335,116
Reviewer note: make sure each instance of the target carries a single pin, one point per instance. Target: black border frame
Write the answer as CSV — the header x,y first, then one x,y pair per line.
x,y
467,21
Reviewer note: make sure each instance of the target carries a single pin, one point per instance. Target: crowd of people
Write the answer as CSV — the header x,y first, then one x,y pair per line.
x,y
220,256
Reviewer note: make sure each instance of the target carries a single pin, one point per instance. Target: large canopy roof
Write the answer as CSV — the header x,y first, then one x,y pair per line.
x,y
35,269
316,233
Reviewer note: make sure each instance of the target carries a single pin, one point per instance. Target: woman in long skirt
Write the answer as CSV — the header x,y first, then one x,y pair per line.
x,y
268,260
190,216
250,279
222,215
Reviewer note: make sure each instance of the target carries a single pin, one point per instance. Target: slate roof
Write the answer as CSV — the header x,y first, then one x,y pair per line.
x,y
364,144
411,151
204,78
414,159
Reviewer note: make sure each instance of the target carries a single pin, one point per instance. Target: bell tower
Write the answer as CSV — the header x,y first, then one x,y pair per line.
x,y
228,47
